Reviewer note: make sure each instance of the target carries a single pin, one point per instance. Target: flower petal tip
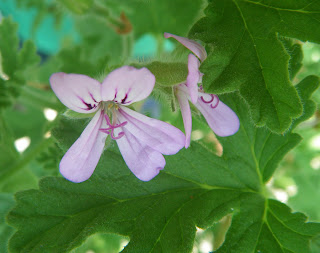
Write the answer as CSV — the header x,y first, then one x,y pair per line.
x,y
167,35
148,176
192,45
72,174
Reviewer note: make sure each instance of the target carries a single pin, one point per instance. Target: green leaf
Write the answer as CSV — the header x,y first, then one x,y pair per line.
x,y
27,56
7,202
8,45
284,231
8,152
247,55
15,64
161,215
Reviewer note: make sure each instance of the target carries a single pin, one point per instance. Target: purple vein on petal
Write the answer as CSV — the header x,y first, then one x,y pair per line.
x,y
89,106
92,97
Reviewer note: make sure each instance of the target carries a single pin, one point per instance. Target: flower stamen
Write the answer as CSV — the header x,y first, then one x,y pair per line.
x,y
213,96
110,129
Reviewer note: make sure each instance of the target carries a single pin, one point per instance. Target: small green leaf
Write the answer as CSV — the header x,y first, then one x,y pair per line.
x,y
8,45
27,56
248,56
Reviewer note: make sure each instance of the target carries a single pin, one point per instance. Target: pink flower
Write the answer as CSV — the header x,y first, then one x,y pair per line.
x,y
141,140
221,119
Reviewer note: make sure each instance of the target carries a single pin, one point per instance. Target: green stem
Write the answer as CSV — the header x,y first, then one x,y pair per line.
x,y
130,43
25,160
6,137
127,45
104,13
160,44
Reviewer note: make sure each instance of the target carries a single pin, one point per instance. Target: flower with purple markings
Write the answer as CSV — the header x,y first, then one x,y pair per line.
x,y
221,119
141,140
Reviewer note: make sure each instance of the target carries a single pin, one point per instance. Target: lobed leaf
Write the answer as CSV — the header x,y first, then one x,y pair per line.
x,y
248,55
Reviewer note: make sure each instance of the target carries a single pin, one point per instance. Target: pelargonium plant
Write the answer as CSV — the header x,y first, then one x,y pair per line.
x,y
159,126
141,140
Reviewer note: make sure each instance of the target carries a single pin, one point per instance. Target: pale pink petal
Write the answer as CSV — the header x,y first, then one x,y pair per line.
x,y
144,162
193,77
192,45
154,133
78,92
81,159
127,84
186,115
221,119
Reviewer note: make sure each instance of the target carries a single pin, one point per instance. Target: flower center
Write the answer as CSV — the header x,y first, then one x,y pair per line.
x,y
213,97
110,130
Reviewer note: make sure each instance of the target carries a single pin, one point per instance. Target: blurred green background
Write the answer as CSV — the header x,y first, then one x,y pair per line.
x,y
90,36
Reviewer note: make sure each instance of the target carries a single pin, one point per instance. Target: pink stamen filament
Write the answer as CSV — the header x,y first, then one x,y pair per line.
x,y
211,100
110,129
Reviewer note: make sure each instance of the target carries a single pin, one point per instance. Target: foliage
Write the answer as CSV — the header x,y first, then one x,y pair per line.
x,y
222,189
113,200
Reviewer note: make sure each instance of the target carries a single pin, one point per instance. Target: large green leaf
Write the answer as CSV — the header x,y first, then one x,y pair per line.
x,y
196,188
247,55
